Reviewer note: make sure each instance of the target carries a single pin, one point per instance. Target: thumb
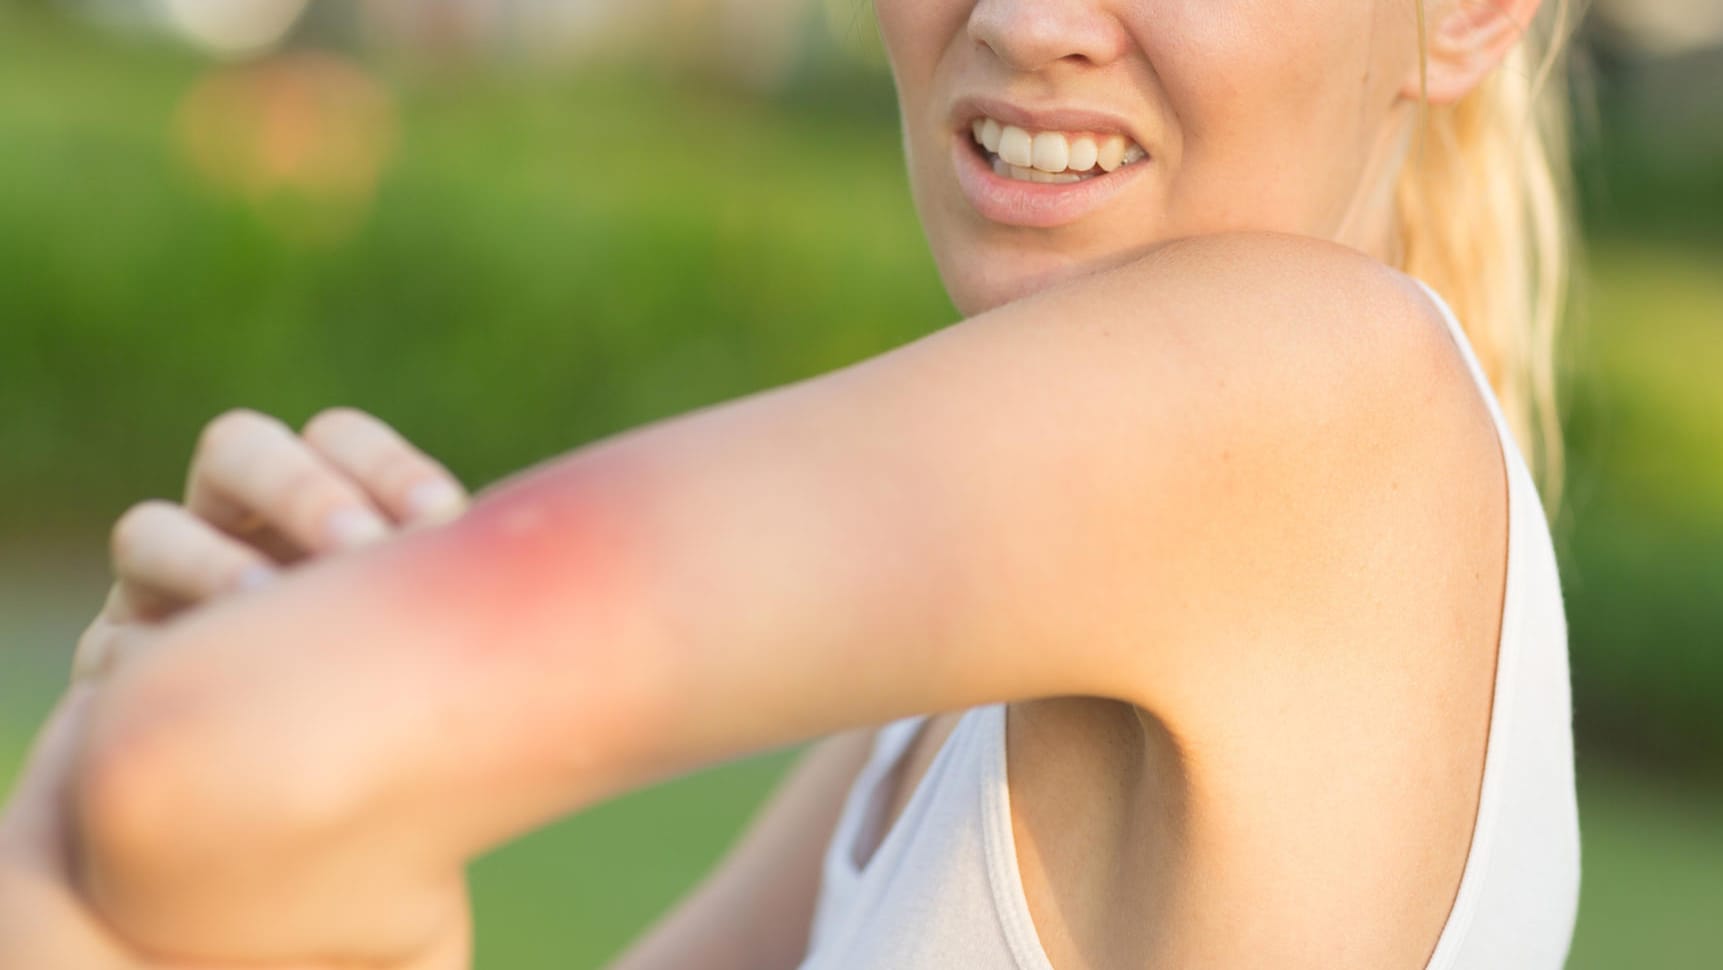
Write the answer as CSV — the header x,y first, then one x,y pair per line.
x,y
32,827
108,644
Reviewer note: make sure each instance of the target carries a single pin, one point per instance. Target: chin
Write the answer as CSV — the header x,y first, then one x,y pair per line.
x,y
982,290
979,278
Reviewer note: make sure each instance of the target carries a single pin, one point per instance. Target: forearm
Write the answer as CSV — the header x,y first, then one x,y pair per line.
x,y
630,612
287,772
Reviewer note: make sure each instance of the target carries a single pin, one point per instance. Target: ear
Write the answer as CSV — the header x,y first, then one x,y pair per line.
x,y
1465,40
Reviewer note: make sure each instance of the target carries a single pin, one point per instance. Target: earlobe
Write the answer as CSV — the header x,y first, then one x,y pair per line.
x,y
1464,41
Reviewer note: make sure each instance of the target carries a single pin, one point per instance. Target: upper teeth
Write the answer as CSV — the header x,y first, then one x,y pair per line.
x,y
1054,151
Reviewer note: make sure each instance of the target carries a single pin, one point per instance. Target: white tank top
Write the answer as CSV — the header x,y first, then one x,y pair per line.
x,y
942,890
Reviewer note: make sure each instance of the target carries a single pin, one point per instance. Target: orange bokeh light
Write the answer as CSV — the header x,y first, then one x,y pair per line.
x,y
302,136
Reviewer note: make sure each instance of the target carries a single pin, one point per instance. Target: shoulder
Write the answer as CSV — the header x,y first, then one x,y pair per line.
x,y
1337,338
1259,325
1318,344
1267,420
1239,379
1339,374
1285,293
1274,346
1302,268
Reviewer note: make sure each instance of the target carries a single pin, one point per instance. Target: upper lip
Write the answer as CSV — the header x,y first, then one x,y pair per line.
x,y
966,109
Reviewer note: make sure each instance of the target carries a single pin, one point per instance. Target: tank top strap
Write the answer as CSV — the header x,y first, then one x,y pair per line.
x,y
859,821
1458,333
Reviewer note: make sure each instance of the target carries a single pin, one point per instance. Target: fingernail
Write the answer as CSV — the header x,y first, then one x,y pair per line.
x,y
352,526
434,501
255,575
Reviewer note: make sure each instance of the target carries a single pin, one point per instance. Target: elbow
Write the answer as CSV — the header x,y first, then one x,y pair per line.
x,y
169,815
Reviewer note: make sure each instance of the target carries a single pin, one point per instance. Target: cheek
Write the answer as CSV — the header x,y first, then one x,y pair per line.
x,y
1253,66
913,38
1265,100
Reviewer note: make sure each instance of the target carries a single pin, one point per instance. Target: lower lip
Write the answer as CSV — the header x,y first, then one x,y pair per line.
x,y
1039,205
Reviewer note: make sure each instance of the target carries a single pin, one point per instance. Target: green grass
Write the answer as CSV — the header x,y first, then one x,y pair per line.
x,y
1652,871
573,895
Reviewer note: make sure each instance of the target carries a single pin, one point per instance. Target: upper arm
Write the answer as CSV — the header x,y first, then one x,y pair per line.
x,y
1072,494
755,909
1133,486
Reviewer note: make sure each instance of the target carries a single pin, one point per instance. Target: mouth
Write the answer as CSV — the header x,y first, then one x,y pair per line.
x,y
1051,157
1041,177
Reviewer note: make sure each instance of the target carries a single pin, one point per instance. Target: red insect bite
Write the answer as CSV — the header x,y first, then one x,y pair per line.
x,y
551,551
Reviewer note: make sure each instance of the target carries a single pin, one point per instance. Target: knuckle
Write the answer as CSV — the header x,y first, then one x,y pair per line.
x,y
306,496
331,420
214,569
397,472
133,526
232,425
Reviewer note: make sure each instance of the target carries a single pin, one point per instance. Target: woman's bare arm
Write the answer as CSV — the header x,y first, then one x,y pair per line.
x,y
755,909
1071,494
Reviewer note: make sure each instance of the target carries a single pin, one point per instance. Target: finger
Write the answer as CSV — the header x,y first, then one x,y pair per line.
x,y
109,641
133,603
127,611
408,484
164,549
94,654
247,526
257,463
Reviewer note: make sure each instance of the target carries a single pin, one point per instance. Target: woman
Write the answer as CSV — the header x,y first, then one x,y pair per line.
x,y
1208,528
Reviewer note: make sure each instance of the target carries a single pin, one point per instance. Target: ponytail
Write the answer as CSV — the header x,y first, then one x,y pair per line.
x,y
1485,219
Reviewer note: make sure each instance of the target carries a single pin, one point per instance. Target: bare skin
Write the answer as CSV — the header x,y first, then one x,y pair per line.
x,y
696,642
259,499
45,922
1061,503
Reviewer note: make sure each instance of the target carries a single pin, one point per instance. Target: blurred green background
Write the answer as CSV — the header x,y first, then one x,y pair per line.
x,y
508,240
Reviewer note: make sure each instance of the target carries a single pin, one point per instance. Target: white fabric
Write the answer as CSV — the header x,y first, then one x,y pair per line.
x,y
942,891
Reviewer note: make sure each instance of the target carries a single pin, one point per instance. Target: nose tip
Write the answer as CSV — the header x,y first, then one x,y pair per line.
x,y
1030,35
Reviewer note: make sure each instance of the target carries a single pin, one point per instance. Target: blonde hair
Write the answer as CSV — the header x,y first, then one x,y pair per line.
x,y
1485,219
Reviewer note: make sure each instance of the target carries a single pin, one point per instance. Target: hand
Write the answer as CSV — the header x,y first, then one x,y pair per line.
x,y
45,924
42,922
259,498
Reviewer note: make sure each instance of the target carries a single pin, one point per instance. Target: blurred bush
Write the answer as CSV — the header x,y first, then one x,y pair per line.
x,y
541,264
1642,566
537,259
